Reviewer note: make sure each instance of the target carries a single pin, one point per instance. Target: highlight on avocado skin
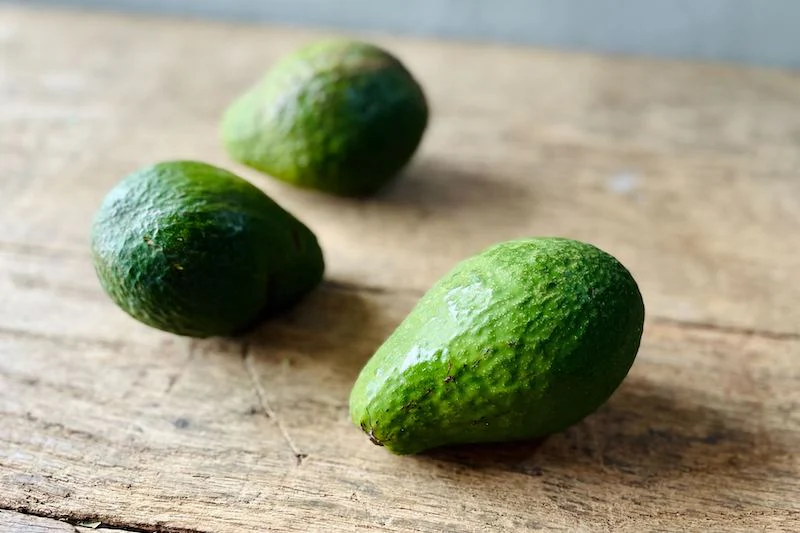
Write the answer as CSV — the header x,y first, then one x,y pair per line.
x,y
195,250
519,341
339,116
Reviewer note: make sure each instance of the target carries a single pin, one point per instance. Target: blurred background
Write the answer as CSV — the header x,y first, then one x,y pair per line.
x,y
758,32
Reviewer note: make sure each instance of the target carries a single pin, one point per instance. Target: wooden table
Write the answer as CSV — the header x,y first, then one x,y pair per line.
x,y
690,174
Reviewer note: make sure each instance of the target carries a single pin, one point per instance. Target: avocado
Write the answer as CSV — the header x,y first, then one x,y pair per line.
x,y
519,341
340,116
195,250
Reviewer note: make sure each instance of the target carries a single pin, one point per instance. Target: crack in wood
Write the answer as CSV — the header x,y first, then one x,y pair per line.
x,y
266,409
56,426
77,520
114,345
731,330
32,282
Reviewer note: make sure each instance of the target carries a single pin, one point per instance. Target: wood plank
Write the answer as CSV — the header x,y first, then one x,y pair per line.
x,y
150,430
686,172
11,522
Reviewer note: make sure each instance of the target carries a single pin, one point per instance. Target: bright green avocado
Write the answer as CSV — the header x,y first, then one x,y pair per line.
x,y
517,342
340,116
195,250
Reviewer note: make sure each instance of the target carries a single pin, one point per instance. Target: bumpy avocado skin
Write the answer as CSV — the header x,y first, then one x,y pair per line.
x,y
339,116
192,249
520,341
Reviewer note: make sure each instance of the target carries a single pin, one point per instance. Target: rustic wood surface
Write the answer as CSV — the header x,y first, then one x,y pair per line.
x,y
687,173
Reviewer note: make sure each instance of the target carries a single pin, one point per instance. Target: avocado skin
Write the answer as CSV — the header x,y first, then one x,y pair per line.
x,y
520,341
195,250
339,116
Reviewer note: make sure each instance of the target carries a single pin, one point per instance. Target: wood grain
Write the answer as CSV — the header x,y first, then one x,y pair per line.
x,y
688,173
155,430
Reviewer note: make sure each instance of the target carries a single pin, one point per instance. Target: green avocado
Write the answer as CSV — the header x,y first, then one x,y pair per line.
x,y
339,116
520,341
192,249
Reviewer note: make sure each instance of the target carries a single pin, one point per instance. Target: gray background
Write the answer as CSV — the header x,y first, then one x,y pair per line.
x,y
765,32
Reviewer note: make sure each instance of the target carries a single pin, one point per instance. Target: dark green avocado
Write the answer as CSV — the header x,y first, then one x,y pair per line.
x,y
340,116
520,341
193,249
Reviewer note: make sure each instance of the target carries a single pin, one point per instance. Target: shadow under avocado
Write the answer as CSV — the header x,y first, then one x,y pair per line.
x,y
435,184
335,324
643,431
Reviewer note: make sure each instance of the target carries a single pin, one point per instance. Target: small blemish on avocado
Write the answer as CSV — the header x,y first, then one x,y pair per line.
x,y
151,243
373,438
